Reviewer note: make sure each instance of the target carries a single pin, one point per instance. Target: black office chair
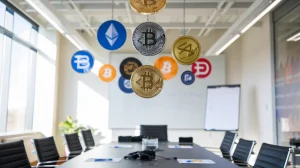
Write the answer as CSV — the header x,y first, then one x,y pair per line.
x,y
227,144
13,155
46,151
186,140
155,131
88,139
73,144
242,152
272,156
125,139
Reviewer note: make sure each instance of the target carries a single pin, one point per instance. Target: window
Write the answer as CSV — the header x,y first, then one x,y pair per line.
x,y
18,41
22,28
287,70
2,14
18,88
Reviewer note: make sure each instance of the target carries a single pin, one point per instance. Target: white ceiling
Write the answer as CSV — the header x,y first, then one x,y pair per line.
x,y
202,15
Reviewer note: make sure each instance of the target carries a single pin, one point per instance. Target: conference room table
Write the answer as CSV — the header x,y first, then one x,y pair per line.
x,y
105,151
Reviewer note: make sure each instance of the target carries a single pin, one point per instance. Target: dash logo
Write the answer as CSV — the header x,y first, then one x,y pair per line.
x,y
202,68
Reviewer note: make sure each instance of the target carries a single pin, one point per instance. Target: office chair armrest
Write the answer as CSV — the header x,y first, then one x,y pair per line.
x,y
75,152
54,161
239,161
219,152
45,166
243,164
211,148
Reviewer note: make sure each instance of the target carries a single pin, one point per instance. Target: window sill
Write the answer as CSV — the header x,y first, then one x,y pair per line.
x,y
11,136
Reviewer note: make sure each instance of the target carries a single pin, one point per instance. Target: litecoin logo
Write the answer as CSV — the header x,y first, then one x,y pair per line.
x,y
149,39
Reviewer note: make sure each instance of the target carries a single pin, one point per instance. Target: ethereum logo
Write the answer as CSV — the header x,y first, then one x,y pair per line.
x,y
111,34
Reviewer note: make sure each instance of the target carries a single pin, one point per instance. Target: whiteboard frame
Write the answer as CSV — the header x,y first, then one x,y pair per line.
x,y
218,86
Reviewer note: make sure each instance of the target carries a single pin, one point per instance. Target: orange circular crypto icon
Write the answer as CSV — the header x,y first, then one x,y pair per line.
x,y
168,67
107,73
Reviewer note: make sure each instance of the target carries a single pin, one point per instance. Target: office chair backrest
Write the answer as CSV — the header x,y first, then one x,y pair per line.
x,y
13,155
124,138
228,142
88,138
243,151
46,149
73,142
272,156
155,131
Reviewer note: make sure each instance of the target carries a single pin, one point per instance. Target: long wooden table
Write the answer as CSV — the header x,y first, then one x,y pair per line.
x,y
104,151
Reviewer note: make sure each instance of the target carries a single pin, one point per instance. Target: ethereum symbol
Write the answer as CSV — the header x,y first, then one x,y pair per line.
x,y
111,34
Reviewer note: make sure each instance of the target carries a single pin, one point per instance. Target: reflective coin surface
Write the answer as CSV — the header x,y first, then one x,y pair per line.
x,y
149,39
147,81
186,50
128,66
147,6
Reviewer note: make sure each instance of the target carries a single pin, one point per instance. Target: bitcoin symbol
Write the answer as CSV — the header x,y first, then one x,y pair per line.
x,y
107,73
149,38
166,68
149,2
147,81
187,48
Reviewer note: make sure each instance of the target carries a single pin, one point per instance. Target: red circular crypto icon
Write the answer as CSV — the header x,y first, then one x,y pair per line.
x,y
201,68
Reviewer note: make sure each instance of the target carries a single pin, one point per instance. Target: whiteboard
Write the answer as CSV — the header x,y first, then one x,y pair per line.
x,y
179,106
223,108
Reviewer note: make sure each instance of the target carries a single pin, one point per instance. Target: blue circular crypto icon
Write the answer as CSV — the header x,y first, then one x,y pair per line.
x,y
111,35
187,78
82,61
125,85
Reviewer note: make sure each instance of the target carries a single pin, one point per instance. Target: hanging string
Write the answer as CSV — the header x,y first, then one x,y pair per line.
x,y
147,58
184,17
112,17
112,9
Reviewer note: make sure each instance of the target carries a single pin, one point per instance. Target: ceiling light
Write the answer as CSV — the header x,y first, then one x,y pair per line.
x,y
268,9
228,44
45,15
296,37
72,40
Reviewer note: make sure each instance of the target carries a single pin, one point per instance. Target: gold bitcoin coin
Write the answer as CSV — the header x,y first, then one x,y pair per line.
x,y
147,81
147,6
186,50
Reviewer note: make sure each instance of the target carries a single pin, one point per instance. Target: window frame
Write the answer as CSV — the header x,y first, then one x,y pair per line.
x,y
6,65
282,10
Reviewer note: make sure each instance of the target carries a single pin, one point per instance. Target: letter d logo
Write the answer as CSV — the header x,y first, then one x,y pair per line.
x,y
201,68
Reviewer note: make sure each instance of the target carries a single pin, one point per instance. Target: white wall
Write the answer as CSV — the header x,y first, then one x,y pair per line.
x,y
86,97
179,106
257,113
45,86
247,63
81,96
